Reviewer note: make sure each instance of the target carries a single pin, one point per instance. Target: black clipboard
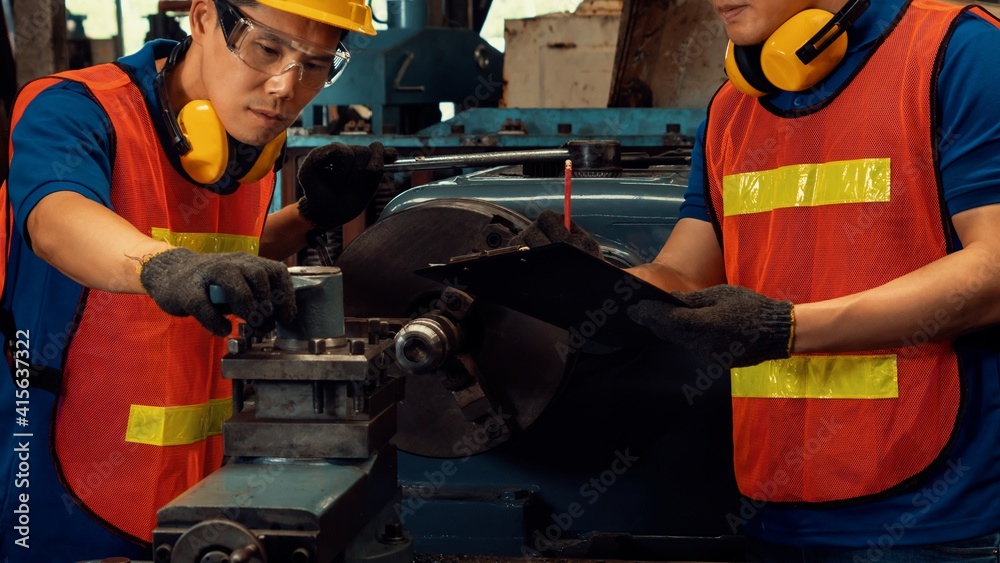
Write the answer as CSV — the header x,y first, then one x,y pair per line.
x,y
559,284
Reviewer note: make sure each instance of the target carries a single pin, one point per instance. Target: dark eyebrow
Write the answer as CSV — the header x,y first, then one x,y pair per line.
x,y
280,40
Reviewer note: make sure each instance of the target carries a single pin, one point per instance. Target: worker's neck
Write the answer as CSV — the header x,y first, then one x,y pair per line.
x,y
184,82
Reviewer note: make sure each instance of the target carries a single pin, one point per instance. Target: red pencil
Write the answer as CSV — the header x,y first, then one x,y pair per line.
x,y
568,193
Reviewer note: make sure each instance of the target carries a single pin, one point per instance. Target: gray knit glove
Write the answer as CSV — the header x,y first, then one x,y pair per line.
x,y
257,289
340,180
548,228
724,321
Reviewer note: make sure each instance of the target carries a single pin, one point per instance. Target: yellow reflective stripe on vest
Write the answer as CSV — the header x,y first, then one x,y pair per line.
x,y
807,185
208,243
819,377
177,426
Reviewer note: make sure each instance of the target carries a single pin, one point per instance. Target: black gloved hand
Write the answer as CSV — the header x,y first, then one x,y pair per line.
x,y
340,180
178,281
549,228
722,321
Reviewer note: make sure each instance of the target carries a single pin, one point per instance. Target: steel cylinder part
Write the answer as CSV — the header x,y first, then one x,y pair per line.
x,y
407,14
426,343
319,297
596,159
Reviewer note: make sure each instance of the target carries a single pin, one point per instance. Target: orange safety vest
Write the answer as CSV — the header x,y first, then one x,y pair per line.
x,y
823,203
140,414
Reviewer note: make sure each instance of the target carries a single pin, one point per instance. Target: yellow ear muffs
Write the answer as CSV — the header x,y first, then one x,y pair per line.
x,y
266,159
800,53
200,138
208,157
743,69
782,66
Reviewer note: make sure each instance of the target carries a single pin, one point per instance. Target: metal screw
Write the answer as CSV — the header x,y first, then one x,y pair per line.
x,y
236,345
393,534
162,554
317,346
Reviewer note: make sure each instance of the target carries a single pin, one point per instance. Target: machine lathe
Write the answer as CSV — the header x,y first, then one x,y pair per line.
x,y
401,415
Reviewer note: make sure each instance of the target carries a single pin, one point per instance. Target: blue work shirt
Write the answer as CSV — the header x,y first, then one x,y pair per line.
x,y
962,499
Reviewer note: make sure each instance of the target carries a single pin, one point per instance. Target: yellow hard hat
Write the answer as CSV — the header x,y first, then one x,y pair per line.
x,y
352,15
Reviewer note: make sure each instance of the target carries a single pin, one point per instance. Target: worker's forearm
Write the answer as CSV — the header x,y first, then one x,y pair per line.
x,y
89,243
954,295
661,276
284,233
691,259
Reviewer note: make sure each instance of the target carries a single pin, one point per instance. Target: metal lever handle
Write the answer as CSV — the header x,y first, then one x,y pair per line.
x,y
477,160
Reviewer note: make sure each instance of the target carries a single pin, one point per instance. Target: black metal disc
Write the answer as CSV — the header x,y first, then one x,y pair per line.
x,y
524,361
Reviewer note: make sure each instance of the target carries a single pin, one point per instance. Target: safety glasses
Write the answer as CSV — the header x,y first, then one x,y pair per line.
x,y
275,52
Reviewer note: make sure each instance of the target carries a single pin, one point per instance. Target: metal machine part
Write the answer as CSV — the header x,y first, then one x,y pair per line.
x,y
233,542
425,343
512,365
474,160
320,297
676,498
312,476
590,158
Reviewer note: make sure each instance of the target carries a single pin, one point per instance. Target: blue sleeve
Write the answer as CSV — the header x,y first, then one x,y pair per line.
x,y
969,97
694,196
62,142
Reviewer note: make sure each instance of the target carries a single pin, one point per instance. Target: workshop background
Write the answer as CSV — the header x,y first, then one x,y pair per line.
x,y
519,420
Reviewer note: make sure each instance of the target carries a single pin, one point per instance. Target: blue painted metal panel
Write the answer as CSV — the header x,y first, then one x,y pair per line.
x,y
432,65
635,128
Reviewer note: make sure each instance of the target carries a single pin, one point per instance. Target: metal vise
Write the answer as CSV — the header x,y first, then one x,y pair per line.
x,y
311,474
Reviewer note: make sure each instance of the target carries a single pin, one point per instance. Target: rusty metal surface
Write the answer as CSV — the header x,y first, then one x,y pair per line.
x,y
670,54
518,357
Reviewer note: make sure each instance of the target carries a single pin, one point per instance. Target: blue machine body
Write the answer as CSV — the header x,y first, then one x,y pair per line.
x,y
415,67
480,129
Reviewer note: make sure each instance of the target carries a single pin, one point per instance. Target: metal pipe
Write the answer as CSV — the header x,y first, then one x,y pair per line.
x,y
407,14
477,160
120,17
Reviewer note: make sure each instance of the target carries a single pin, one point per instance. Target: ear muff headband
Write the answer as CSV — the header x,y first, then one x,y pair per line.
x,y
800,53
199,136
